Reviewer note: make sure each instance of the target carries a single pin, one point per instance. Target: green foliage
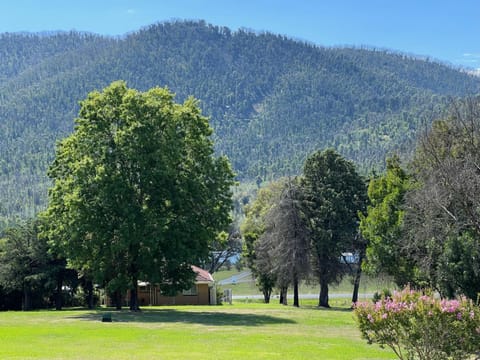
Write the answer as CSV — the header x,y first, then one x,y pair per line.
x,y
312,219
254,227
137,192
417,326
385,293
442,227
458,269
382,225
334,195
29,266
271,100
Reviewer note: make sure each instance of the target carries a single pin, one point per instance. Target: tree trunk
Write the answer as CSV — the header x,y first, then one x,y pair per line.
x,y
356,280
89,291
295,293
27,300
323,298
266,296
117,298
134,296
58,293
283,295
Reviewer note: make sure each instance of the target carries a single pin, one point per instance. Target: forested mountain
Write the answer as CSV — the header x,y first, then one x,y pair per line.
x,y
272,100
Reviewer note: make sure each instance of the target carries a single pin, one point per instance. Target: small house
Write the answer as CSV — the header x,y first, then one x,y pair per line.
x,y
203,292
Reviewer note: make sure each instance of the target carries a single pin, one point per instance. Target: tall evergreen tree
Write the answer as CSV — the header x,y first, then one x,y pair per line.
x,y
334,195
382,226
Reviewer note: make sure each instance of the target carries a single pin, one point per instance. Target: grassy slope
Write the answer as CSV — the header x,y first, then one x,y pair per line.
x,y
240,331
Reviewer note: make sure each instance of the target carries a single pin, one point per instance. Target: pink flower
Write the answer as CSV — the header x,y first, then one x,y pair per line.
x,y
449,306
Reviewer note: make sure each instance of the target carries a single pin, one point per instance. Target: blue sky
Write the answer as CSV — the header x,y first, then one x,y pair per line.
x,y
442,30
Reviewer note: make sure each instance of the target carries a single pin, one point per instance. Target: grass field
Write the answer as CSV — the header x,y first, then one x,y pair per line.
x,y
368,285
238,331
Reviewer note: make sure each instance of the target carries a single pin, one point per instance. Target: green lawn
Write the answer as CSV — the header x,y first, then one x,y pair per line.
x,y
239,331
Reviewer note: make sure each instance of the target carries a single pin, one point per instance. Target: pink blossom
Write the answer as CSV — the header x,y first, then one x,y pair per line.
x,y
449,306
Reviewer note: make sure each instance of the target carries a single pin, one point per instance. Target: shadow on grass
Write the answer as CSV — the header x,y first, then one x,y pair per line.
x,y
212,318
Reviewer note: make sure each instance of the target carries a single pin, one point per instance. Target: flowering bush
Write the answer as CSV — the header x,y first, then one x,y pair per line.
x,y
419,326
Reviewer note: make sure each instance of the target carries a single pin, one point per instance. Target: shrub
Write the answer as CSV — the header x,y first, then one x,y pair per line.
x,y
416,325
385,293
219,295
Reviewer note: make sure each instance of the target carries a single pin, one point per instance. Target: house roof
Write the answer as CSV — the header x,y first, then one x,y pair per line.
x,y
202,275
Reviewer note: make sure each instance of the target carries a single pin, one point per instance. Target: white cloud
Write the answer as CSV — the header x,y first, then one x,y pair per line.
x,y
131,11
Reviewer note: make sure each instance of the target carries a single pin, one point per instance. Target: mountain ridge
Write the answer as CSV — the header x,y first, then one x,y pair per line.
x,y
271,99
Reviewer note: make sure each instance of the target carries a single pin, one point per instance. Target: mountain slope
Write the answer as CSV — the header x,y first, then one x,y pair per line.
x,y
271,100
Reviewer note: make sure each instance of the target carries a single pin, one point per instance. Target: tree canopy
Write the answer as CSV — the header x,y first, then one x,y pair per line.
x,y
422,224
296,228
442,227
382,226
137,193
334,194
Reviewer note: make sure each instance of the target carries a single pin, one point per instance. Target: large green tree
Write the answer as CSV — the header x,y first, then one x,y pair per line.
x,y
334,195
137,193
383,223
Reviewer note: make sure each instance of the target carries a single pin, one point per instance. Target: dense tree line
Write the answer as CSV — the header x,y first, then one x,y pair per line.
x,y
299,228
272,100
422,223
33,275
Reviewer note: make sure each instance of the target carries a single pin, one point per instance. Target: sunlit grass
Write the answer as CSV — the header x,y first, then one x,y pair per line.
x,y
368,285
239,331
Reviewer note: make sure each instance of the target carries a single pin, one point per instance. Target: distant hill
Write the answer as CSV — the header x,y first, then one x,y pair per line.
x,y
272,100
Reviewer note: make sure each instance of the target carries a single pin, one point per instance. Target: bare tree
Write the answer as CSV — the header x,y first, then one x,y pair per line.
x,y
287,241
442,220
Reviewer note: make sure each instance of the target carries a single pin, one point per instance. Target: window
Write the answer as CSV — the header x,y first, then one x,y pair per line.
x,y
191,291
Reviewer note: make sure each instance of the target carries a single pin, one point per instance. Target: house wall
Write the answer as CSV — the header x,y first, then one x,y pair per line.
x,y
150,295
